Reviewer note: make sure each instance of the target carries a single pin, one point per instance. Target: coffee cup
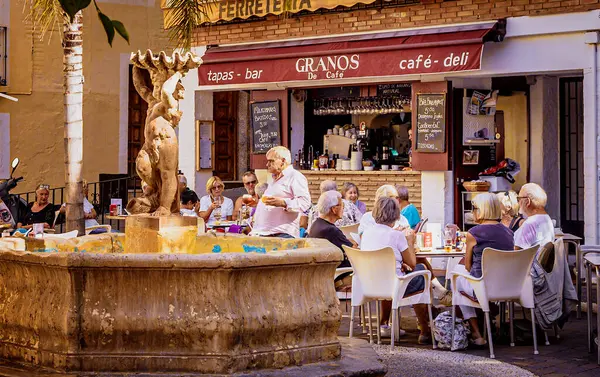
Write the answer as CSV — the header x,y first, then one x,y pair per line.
x,y
395,167
385,167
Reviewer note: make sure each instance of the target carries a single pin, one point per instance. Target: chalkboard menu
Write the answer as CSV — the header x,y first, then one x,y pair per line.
x,y
431,123
266,125
393,90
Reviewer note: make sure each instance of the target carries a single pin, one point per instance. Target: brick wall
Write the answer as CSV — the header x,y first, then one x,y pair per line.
x,y
367,183
427,13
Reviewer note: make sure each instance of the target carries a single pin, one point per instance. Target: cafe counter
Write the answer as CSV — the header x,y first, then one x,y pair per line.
x,y
367,182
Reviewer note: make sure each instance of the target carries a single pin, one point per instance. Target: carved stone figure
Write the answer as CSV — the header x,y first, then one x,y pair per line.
x,y
157,163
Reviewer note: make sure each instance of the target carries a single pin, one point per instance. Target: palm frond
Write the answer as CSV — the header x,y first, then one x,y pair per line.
x,y
46,15
183,17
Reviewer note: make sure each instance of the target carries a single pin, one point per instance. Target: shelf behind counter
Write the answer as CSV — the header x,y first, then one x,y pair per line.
x,y
367,182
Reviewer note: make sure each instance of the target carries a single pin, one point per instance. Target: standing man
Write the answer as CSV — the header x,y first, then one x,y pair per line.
x,y
278,212
250,182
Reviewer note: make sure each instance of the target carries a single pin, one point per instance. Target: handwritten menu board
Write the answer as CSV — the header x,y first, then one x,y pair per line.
x,y
266,125
431,123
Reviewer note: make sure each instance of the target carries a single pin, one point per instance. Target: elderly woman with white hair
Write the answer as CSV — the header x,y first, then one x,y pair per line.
x,y
330,207
537,229
382,234
367,220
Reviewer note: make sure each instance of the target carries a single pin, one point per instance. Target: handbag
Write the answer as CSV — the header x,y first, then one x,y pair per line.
x,y
442,331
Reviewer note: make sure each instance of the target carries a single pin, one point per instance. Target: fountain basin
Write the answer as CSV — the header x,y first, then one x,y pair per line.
x,y
194,313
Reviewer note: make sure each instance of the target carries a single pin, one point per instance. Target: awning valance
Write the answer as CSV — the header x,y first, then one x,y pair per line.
x,y
419,51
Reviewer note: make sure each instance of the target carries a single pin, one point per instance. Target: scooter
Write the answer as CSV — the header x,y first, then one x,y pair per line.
x,y
13,208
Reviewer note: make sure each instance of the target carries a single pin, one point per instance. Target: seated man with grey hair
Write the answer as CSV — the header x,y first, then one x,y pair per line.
x,y
407,209
330,207
537,229
351,215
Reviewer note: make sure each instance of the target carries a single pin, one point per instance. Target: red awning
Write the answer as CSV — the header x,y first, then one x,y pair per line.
x,y
363,55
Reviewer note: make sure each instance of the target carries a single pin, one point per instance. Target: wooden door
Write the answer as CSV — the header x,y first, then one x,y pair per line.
x,y
137,118
225,106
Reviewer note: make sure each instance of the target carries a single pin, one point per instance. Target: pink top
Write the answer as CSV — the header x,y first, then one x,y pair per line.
x,y
292,186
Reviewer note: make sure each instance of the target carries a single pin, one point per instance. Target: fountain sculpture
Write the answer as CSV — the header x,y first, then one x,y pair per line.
x,y
157,162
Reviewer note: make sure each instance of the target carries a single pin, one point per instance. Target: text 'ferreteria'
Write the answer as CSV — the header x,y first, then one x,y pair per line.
x,y
244,8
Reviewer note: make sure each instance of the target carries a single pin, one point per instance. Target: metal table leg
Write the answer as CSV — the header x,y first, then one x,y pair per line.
x,y
598,313
588,284
578,278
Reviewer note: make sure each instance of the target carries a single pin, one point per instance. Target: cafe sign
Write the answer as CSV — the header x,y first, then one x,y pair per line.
x,y
227,10
342,66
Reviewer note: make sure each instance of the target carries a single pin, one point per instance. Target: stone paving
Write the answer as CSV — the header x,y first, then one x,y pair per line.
x,y
566,356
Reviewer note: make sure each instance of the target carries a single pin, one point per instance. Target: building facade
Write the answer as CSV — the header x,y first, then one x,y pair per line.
x,y
32,128
538,60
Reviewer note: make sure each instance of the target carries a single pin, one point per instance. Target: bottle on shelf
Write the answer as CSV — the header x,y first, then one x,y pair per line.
x,y
301,159
309,161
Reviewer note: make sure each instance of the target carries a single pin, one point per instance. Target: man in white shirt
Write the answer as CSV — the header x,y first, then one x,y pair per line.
x,y
538,229
278,212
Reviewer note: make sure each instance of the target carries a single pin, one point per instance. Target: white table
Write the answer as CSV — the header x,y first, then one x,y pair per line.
x,y
592,262
439,253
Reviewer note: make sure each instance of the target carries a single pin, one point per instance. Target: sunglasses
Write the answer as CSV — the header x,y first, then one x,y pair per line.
x,y
522,197
250,183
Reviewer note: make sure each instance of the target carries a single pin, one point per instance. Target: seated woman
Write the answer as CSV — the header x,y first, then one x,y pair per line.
x,y
367,220
41,211
408,209
350,193
511,218
488,233
386,214
215,202
190,204
330,207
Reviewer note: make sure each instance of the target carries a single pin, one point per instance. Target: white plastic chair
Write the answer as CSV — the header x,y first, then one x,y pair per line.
x,y
450,265
375,279
505,277
348,229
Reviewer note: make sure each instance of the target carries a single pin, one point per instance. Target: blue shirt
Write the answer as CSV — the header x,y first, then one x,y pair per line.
x,y
412,215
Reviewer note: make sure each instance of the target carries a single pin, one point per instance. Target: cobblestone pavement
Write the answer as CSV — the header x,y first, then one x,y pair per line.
x,y
566,356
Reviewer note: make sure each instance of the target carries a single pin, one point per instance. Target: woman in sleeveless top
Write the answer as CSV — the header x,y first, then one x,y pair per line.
x,y
511,218
488,233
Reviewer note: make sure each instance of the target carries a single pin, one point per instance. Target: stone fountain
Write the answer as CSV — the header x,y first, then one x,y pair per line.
x,y
232,303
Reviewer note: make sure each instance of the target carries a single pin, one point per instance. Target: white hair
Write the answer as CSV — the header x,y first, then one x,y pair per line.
x,y
328,185
536,194
282,152
388,191
327,201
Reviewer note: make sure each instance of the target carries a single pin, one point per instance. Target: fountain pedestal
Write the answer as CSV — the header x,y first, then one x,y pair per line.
x,y
160,234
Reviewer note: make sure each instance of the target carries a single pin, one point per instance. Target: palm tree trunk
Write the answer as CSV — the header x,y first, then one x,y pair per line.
x,y
73,74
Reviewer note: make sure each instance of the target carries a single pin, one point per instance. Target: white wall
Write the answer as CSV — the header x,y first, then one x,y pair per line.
x,y
203,111
4,144
297,124
591,145
437,196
